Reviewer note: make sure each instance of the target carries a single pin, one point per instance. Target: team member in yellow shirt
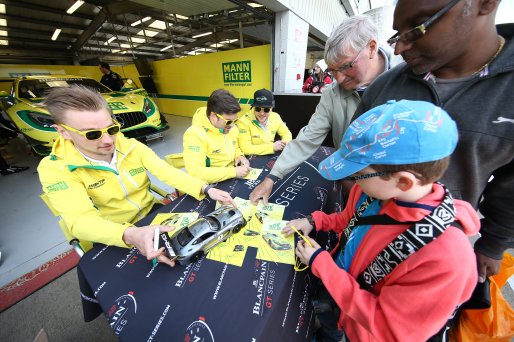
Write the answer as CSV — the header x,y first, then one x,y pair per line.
x,y
258,127
211,150
97,180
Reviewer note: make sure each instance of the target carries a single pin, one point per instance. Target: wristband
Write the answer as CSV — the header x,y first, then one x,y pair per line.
x,y
207,188
311,221
273,178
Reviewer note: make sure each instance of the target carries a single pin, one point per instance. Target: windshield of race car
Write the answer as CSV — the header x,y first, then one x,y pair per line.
x,y
30,89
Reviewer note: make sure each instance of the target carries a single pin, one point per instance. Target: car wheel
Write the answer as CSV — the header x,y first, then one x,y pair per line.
x,y
236,229
197,256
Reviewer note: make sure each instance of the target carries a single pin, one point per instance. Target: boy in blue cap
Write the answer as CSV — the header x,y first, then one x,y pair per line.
x,y
401,267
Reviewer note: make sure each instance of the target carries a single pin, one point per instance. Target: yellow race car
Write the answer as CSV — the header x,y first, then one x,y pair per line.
x,y
133,109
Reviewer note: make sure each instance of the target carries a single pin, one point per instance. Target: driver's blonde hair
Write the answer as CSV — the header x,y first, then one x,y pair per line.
x,y
76,98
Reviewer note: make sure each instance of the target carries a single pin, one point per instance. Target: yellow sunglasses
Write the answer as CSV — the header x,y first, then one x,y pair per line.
x,y
227,122
95,134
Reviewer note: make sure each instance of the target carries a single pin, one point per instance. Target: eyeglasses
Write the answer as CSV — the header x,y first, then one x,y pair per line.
x,y
346,66
95,134
266,110
419,31
227,122
365,176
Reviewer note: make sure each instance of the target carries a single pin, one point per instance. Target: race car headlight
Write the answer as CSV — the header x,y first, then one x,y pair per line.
x,y
40,119
148,107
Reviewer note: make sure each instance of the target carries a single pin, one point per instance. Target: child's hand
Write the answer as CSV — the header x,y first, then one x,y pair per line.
x,y
304,251
302,225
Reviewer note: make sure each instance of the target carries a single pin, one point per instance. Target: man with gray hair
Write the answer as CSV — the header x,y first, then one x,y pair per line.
x,y
354,59
96,179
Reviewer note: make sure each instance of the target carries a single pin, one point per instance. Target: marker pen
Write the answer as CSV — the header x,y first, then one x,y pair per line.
x,y
155,244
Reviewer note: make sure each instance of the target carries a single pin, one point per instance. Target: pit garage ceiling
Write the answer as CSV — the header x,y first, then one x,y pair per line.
x,y
118,31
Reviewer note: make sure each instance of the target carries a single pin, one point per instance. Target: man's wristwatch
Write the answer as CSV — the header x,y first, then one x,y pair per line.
x,y
207,188
311,221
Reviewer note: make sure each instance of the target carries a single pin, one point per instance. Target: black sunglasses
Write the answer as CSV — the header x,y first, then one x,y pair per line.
x,y
419,31
365,176
266,110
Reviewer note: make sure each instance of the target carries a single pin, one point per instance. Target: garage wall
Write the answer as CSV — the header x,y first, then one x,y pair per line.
x,y
185,84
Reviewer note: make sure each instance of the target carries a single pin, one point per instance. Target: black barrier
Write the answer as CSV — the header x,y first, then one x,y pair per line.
x,y
209,300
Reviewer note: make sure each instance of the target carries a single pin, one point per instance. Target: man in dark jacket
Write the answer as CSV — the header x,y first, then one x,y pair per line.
x,y
110,78
459,60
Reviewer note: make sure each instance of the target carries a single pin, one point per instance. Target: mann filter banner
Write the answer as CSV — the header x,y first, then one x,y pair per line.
x,y
185,84
237,72
211,300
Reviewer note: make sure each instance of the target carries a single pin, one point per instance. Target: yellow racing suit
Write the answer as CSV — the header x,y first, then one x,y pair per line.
x,y
254,139
209,154
98,203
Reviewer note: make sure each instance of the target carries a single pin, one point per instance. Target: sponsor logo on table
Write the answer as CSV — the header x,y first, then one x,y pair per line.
x,y
159,322
130,258
264,282
321,195
290,189
120,313
199,331
189,274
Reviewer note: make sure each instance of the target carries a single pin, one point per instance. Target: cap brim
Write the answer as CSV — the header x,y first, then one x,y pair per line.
x,y
335,167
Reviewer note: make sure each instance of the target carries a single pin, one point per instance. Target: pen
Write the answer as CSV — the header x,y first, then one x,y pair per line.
x,y
155,244
301,235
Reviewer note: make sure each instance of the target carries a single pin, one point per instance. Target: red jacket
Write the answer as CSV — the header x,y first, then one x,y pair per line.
x,y
415,300
310,80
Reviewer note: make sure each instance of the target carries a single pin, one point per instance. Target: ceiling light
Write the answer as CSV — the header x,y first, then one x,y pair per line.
x,y
56,33
202,34
2,8
166,48
137,40
75,6
3,33
181,17
110,40
254,5
147,33
4,42
3,22
126,46
135,23
158,24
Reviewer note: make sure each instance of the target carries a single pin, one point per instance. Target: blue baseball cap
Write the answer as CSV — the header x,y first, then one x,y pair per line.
x,y
395,133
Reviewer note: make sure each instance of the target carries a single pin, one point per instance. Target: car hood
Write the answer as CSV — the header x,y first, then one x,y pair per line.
x,y
117,102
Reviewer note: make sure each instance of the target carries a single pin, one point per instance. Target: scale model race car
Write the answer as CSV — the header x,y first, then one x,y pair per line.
x,y
196,239
275,242
134,110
